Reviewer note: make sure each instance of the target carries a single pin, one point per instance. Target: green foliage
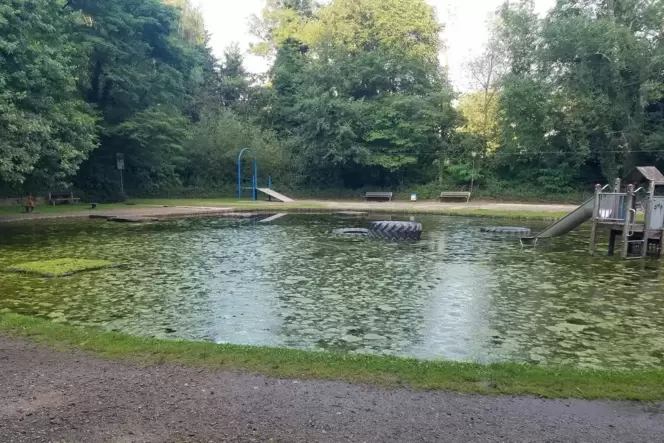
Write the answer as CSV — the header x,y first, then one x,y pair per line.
x,y
355,97
191,25
46,128
579,96
153,146
142,77
234,80
360,107
480,112
280,21
213,149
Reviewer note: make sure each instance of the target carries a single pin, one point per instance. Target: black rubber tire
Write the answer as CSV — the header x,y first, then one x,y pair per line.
x,y
399,230
512,231
352,232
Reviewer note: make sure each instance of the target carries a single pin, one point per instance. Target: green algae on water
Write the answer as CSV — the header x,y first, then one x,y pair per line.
x,y
60,267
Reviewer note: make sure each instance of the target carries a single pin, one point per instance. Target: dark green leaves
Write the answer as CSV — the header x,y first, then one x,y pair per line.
x,y
47,129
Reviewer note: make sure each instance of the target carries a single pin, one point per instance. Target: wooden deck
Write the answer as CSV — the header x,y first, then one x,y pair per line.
x,y
655,238
617,227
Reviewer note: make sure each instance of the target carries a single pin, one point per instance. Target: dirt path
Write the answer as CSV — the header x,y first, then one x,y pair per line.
x,y
187,211
436,206
49,396
151,211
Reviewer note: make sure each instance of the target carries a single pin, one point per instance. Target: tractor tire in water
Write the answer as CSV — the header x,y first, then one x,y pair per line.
x,y
390,230
512,231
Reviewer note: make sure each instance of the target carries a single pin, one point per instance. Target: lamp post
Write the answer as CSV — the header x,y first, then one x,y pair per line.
x,y
472,173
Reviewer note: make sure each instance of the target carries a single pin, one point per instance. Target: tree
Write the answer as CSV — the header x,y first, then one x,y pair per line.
x,y
235,81
480,112
608,58
47,130
480,108
516,36
138,62
212,151
364,105
280,21
191,22
408,27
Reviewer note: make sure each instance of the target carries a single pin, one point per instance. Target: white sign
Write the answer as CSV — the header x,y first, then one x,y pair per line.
x,y
120,160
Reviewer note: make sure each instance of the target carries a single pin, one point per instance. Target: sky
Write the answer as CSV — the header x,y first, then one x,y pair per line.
x,y
465,29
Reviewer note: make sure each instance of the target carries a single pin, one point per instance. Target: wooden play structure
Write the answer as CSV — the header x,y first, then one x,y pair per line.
x,y
635,213
618,211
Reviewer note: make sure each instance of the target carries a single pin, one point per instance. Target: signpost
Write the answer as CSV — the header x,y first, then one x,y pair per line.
x,y
121,165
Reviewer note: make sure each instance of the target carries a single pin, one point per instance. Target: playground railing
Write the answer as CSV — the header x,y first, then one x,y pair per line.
x,y
612,207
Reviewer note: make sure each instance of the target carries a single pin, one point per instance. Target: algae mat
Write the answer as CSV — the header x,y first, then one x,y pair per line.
x,y
62,267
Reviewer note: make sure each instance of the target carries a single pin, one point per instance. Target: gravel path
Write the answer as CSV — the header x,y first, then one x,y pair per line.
x,y
49,396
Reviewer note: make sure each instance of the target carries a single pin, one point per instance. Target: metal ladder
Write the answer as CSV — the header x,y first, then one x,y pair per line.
x,y
635,245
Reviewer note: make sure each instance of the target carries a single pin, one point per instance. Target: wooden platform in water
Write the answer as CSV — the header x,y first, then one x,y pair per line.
x,y
635,243
617,227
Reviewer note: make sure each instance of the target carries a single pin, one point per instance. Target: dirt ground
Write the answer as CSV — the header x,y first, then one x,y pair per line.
x,y
436,206
185,211
151,211
65,397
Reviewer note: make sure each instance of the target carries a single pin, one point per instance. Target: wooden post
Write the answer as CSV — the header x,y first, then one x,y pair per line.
x,y
646,221
629,199
593,230
612,242
616,199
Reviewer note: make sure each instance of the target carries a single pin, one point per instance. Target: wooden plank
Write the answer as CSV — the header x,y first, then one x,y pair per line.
x,y
455,194
274,194
379,195
273,217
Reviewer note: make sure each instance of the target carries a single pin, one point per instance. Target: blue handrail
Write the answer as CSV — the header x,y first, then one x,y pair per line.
x,y
254,179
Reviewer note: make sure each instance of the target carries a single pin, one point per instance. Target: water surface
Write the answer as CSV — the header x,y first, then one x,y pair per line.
x,y
457,294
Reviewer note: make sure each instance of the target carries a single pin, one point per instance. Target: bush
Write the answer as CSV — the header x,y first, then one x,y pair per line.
x,y
213,152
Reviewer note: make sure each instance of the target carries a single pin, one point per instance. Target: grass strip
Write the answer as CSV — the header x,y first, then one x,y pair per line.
x,y
496,378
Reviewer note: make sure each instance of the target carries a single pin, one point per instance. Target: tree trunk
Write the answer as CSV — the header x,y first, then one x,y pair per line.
x,y
95,81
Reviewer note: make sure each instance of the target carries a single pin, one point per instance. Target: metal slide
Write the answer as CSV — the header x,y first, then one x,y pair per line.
x,y
275,194
566,224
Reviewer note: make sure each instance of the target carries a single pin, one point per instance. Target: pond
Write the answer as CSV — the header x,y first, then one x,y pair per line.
x,y
457,294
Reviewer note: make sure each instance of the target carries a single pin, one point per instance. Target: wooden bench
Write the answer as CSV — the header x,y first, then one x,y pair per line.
x,y
62,197
379,196
457,195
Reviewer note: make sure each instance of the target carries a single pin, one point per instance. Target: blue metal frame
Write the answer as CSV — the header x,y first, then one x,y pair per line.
x,y
254,179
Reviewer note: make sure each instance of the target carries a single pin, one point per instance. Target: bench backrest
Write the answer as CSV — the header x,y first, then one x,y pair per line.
x,y
379,194
454,194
